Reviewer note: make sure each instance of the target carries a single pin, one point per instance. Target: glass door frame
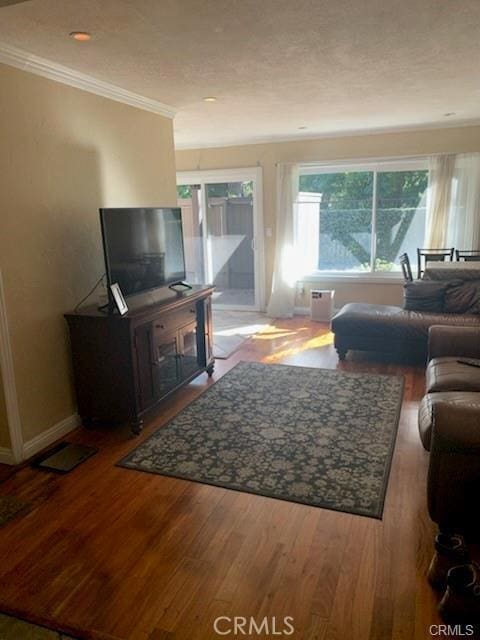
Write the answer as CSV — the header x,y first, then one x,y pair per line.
x,y
217,176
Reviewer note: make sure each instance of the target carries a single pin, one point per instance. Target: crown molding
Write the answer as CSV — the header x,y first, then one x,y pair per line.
x,y
345,133
25,61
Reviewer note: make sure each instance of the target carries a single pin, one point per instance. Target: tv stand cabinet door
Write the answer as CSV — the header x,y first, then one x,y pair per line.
x,y
157,364
192,359
166,362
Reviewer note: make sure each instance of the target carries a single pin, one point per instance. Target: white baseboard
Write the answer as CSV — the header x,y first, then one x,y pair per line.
x,y
301,311
6,456
48,437
305,311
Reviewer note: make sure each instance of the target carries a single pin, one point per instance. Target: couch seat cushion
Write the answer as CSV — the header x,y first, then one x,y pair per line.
x,y
447,374
426,410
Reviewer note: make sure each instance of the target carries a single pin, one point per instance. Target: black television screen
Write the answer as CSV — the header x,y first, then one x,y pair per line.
x,y
143,247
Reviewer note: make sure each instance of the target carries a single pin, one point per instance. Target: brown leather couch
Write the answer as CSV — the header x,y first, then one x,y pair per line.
x,y
449,424
388,329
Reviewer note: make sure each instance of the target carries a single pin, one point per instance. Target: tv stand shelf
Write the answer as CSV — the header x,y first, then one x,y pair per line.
x,y
124,366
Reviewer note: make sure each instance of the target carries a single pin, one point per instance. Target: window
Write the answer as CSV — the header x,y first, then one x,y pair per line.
x,y
361,218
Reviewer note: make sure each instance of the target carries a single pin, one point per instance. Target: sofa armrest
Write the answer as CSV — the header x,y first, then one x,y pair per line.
x,y
453,341
454,468
456,427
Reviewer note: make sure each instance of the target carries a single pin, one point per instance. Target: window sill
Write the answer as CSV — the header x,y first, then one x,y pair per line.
x,y
354,278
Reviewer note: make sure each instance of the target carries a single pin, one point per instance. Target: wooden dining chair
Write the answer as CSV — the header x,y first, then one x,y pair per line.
x,y
406,267
432,255
467,256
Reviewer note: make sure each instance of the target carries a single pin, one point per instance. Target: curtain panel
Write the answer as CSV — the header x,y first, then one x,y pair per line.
x,y
463,229
453,205
282,299
438,202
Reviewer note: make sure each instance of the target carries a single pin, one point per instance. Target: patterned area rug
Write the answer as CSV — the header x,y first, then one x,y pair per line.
x,y
316,436
15,629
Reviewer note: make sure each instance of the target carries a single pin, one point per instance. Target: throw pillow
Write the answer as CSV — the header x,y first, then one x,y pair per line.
x,y
423,295
462,296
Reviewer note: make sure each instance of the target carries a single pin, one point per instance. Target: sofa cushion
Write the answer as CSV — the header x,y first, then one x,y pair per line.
x,y
424,295
462,297
447,374
426,410
462,293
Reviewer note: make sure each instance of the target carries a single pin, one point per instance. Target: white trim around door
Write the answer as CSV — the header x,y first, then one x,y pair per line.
x,y
9,385
249,174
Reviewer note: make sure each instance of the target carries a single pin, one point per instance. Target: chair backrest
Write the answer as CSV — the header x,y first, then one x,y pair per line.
x,y
432,255
468,256
406,268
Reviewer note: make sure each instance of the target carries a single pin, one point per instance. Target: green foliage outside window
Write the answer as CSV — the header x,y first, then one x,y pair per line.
x,y
184,191
220,190
230,190
346,215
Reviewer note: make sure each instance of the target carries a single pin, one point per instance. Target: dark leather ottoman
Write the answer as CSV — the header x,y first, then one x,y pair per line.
x,y
388,329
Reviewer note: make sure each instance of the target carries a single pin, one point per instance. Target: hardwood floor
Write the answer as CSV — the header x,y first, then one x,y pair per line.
x,y
107,552
6,471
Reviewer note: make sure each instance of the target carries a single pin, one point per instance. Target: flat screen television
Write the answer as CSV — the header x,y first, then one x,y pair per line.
x,y
143,247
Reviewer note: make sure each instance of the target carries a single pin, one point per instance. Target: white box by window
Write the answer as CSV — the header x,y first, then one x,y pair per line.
x,y
321,304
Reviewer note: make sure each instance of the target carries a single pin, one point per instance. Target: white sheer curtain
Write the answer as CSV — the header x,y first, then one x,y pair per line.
x,y
453,208
282,299
463,230
440,186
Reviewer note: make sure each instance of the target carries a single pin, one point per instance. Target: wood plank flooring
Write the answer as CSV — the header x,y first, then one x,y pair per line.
x,y
6,471
107,552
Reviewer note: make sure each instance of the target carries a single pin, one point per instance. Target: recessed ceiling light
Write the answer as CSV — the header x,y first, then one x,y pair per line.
x,y
209,99
450,113
81,36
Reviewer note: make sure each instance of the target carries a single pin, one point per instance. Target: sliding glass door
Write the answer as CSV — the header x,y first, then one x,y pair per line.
x,y
223,233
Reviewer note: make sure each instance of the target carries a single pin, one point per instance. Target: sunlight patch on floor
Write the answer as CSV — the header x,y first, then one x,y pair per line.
x,y
232,328
318,342
271,332
241,330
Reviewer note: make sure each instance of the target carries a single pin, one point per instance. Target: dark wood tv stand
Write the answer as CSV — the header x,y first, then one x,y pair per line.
x,y
124,366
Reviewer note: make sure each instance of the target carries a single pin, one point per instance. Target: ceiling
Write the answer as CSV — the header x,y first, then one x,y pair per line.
x,y
276,66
